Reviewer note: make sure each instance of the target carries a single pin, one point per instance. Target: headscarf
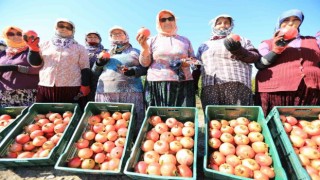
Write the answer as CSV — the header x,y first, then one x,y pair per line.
x,y
63,42
118,46
91,48
286,14
13,47
217,33
158,25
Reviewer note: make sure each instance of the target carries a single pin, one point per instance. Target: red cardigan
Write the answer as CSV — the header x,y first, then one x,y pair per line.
x,y
292,66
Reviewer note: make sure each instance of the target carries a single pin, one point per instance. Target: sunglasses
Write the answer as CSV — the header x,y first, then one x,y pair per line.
x,y
13,34
66,27
165,19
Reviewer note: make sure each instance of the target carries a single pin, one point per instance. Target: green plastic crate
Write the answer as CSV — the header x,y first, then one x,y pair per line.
x,y
40,108
15,112
290,161
183,114
94,108
253,113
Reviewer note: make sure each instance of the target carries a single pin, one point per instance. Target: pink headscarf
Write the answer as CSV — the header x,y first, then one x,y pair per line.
x,y
158,26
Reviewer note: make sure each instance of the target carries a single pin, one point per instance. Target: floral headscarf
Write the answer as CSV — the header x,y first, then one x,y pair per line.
x,y
118,46
286,14
94,48
63,42
158,26
217,33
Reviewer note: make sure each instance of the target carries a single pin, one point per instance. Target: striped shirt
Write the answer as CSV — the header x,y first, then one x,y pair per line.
x,y
221,66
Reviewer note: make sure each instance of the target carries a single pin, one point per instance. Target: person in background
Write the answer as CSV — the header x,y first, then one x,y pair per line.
x,y
3,46
119,77
65,69
18,80
94,48
289,73
169,80
226,70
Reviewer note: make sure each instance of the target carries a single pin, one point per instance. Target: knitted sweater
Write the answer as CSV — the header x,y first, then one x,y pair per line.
x,y
292,66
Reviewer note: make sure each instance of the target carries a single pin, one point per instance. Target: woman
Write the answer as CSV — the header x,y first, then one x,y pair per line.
x,y
288,75
65,73
94,48
169,79
18,80
119,77
226,71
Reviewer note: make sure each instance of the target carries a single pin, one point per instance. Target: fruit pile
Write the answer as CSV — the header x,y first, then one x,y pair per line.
x,y
238,148
305,139
101,145
5,120
168,148
39,138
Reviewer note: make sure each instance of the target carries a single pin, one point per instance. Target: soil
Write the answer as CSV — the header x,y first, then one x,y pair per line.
x,y
48,172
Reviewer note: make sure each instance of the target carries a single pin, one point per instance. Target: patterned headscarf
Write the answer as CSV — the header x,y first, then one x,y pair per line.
x,y
286,14
93,49
63,42
118,46
158,25
13,47
217,33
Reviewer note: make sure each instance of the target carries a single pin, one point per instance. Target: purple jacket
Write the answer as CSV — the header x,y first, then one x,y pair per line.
x,y
12,80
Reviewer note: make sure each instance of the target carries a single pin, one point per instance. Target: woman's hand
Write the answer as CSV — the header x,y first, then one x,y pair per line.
x,y
32,40
142,40
276,38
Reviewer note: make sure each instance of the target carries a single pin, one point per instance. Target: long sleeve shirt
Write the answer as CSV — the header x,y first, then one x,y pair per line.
x,y
164,49
13,80
62,66
112,80
299,61
221,66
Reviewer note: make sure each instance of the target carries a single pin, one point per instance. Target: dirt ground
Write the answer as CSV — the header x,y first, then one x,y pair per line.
x,y
48,172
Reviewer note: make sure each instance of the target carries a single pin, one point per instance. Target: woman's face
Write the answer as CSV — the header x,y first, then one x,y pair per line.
x,y
64,29
222,23
118,35
167,22
14,35
93,38
289,22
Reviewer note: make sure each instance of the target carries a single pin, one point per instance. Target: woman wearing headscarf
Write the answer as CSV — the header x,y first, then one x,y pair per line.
x,y
119,77
65,70
169,80
18,80
94,48
289,74
226,70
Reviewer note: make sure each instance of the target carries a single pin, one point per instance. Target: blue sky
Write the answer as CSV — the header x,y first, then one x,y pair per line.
x,y
254,19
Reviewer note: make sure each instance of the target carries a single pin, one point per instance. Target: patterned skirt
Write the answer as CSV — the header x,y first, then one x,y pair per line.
x,y
231,93
303,96
170,93
18,97
125,97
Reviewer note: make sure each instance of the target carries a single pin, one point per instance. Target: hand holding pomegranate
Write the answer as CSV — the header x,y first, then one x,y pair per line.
x,y
142,36
32,40
103,58
232,42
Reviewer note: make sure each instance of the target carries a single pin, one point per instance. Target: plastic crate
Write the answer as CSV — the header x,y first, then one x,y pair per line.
x,y
253,113
94,108
40,108
15,112
183,114
290,161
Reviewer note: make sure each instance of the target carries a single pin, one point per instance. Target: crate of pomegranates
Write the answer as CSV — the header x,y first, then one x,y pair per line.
x,y
9,117
296,133
40,136
239,144
166,147
102,141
